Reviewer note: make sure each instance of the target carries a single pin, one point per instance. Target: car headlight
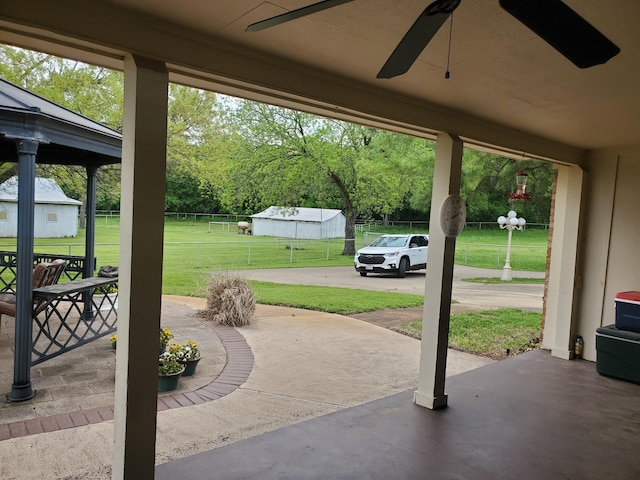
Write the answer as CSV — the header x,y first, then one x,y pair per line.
x,y
389,255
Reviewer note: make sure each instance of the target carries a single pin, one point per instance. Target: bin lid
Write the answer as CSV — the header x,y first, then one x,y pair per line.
x,y
628,296
611,331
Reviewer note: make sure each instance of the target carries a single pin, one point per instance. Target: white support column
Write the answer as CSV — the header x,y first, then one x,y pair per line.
x,y
560,310
140,285
438,283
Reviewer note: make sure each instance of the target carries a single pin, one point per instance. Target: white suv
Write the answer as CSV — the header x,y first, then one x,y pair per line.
x,y
393,254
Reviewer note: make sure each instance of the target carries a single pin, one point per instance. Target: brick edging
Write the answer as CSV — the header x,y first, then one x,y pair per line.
x,y
238,367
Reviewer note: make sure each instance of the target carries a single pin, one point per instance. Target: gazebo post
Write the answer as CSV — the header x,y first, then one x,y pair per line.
x,y
90,236
21,387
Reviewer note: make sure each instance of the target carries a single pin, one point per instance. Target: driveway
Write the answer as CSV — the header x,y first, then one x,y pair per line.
x,y
468,294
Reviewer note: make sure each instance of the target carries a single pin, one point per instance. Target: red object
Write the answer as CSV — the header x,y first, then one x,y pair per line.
x,y
629,297
519,196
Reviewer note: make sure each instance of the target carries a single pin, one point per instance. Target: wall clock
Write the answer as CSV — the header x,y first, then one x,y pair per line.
x,y
453,215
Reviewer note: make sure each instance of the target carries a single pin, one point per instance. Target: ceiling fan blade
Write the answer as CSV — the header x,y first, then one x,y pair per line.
x,y
417,38
563,29
292,15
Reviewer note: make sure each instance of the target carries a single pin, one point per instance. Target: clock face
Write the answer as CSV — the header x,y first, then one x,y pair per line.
x,y
453,215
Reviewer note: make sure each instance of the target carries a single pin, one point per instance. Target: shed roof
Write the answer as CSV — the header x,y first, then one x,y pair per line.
x,y
298,214
46,191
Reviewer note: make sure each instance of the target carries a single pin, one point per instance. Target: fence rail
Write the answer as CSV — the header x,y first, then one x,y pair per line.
x,y
362,225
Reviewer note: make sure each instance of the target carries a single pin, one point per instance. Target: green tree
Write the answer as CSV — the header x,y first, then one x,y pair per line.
x,y
193,138
92,91
488,178
290,158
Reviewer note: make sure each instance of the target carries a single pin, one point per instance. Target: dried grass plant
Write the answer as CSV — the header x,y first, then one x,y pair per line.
x,y
230,301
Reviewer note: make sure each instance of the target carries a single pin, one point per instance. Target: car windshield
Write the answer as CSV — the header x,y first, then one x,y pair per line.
x,y
389,242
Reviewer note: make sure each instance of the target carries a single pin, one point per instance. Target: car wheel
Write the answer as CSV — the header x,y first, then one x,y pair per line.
x,y
363,274
402,268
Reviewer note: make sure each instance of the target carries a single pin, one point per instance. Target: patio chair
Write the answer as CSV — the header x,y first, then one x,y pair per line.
x,y
44,274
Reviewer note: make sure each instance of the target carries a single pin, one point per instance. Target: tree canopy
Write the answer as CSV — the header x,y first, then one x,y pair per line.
x,y
226,155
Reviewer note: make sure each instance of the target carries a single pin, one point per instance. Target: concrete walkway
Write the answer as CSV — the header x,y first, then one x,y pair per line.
x,y
305,364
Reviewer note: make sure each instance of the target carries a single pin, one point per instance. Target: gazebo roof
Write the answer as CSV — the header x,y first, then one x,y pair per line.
x,y
64,137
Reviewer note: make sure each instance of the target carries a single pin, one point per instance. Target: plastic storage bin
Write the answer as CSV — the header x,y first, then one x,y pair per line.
x,y
628,311
618,353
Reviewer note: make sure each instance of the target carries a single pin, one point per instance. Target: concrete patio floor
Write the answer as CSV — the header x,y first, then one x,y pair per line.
x,y
528,417
305,364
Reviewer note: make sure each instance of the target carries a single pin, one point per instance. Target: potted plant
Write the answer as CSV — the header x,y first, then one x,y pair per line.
x,y
169,371
187,354
165,336
114,340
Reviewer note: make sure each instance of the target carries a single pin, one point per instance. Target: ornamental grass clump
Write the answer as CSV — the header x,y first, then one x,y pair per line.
x,y
230,301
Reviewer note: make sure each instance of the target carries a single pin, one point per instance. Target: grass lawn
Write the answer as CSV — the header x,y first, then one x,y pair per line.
x,y
490,333
345,301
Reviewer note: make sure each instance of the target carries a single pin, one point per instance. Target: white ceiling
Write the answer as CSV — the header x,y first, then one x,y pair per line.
x,y
501,73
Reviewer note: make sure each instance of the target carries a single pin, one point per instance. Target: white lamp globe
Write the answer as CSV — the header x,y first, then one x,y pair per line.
x,y
502,220
513,221
521,222
512,214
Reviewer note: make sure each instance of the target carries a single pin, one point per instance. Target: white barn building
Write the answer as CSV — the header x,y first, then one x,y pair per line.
x,y
299,222
55,214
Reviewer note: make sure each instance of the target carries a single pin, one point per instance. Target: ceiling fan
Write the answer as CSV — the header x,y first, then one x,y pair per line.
x,y
552,20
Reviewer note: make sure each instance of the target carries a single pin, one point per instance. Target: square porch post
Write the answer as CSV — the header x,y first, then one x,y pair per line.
x,y
437,299
560,317
140,283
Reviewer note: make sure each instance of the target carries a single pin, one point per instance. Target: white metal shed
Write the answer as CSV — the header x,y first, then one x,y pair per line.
x,y
55,214
299,222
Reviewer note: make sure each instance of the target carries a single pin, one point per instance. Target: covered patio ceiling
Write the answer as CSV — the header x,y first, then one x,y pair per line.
x,y
507,86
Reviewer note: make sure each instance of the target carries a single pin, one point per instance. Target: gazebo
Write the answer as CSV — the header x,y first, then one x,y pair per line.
x,y
35,130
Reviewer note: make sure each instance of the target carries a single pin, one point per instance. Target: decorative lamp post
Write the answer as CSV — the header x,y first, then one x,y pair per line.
x,y
511,222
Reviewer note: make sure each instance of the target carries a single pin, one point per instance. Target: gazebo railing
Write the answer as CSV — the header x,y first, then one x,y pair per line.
x,y
67,316
8,262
